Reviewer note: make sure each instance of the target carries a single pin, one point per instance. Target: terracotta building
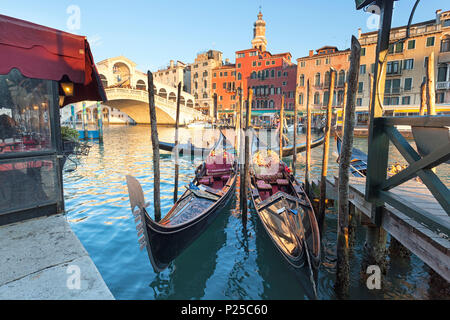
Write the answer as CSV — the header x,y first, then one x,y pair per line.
x,y
316,68
269,75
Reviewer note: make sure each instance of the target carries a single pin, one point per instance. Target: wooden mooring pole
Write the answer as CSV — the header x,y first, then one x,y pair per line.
x,y
431,92
177,166
374,252
245,183
294,155
326,148
423,98
281,128
155,145
342,266
308,141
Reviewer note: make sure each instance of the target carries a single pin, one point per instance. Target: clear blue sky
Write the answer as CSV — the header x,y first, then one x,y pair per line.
x,y
152,32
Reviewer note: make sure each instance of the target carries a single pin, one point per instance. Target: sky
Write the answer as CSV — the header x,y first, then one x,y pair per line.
x,y
153,32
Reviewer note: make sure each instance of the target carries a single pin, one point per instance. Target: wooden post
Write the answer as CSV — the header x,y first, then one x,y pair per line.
x,y
431,94
343,107
215,110
241,148
155,145
294,155
370,94
84,120
177,166
247,157
326,147
342,266
308,140
377,160
281,127
100,121
423,98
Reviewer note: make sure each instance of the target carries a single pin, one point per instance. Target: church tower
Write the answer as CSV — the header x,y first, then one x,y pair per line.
x,y
259,34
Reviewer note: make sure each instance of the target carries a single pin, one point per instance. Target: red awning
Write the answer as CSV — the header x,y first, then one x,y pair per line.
x,y
46,53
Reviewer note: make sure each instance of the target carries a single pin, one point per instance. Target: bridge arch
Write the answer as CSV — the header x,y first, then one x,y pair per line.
x,y
172,97
190,103
141,85
162,93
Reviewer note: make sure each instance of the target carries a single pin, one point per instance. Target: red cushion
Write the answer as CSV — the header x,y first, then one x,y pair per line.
x,y
263,185
205,180
282,182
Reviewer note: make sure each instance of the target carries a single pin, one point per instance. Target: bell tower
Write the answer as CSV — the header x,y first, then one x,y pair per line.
x,y
259,34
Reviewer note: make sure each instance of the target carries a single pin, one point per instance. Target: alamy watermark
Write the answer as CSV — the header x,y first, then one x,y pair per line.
x,y
374,280
74,279
73,22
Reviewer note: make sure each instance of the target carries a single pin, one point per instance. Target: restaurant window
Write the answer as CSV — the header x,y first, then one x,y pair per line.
x,y
31,178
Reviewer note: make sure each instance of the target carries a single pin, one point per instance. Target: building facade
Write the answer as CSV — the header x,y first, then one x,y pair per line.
x,y
174,74
316,68
201,79
269,75
406,64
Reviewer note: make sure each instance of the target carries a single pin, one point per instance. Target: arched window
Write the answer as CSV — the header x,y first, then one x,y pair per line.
x,y
316,98
253,76
300,99
317,79
140,85
341,78
239,76
104,81
301,80
327,78
326,95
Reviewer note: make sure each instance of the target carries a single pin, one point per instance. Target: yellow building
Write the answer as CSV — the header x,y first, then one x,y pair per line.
x,y
406,66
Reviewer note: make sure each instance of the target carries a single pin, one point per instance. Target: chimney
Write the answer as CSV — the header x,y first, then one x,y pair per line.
x,y
359,33
311,53
171,64
438,16
227,61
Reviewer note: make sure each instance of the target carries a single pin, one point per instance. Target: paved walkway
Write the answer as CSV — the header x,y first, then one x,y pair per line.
x,y
43,259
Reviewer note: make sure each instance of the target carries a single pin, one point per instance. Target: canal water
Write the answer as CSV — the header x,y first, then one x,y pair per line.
x,y
223,263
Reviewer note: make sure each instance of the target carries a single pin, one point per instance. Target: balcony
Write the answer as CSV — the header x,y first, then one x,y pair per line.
x,y
444,85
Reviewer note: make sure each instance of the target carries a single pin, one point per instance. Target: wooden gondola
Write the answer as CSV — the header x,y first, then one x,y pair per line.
x,y
284,209
210,190
301,147
358,161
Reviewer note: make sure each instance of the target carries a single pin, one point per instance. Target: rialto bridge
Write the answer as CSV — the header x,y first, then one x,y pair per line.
x,y
126,90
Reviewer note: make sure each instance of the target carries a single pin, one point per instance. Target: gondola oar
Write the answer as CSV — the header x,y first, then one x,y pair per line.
x,y
303,240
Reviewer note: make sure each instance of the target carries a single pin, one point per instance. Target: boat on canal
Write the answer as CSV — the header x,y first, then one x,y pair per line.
x,y
209,192
358,160
284,209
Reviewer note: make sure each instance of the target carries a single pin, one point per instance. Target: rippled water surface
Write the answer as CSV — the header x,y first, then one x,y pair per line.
x,y
223,263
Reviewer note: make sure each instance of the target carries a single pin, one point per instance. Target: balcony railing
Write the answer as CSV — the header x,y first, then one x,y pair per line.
x,y
445,85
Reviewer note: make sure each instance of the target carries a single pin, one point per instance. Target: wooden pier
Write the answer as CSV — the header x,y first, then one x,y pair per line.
x,y
431,247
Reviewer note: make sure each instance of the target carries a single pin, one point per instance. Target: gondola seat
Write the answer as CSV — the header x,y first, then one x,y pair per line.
x,y
206,180
264,189
283,182
219,164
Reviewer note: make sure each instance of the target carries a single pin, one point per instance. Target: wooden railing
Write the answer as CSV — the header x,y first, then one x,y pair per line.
x,y
378,186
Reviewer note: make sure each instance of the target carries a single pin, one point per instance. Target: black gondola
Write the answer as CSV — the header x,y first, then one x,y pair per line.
x,y
358,161
284,209
301,147
206,195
